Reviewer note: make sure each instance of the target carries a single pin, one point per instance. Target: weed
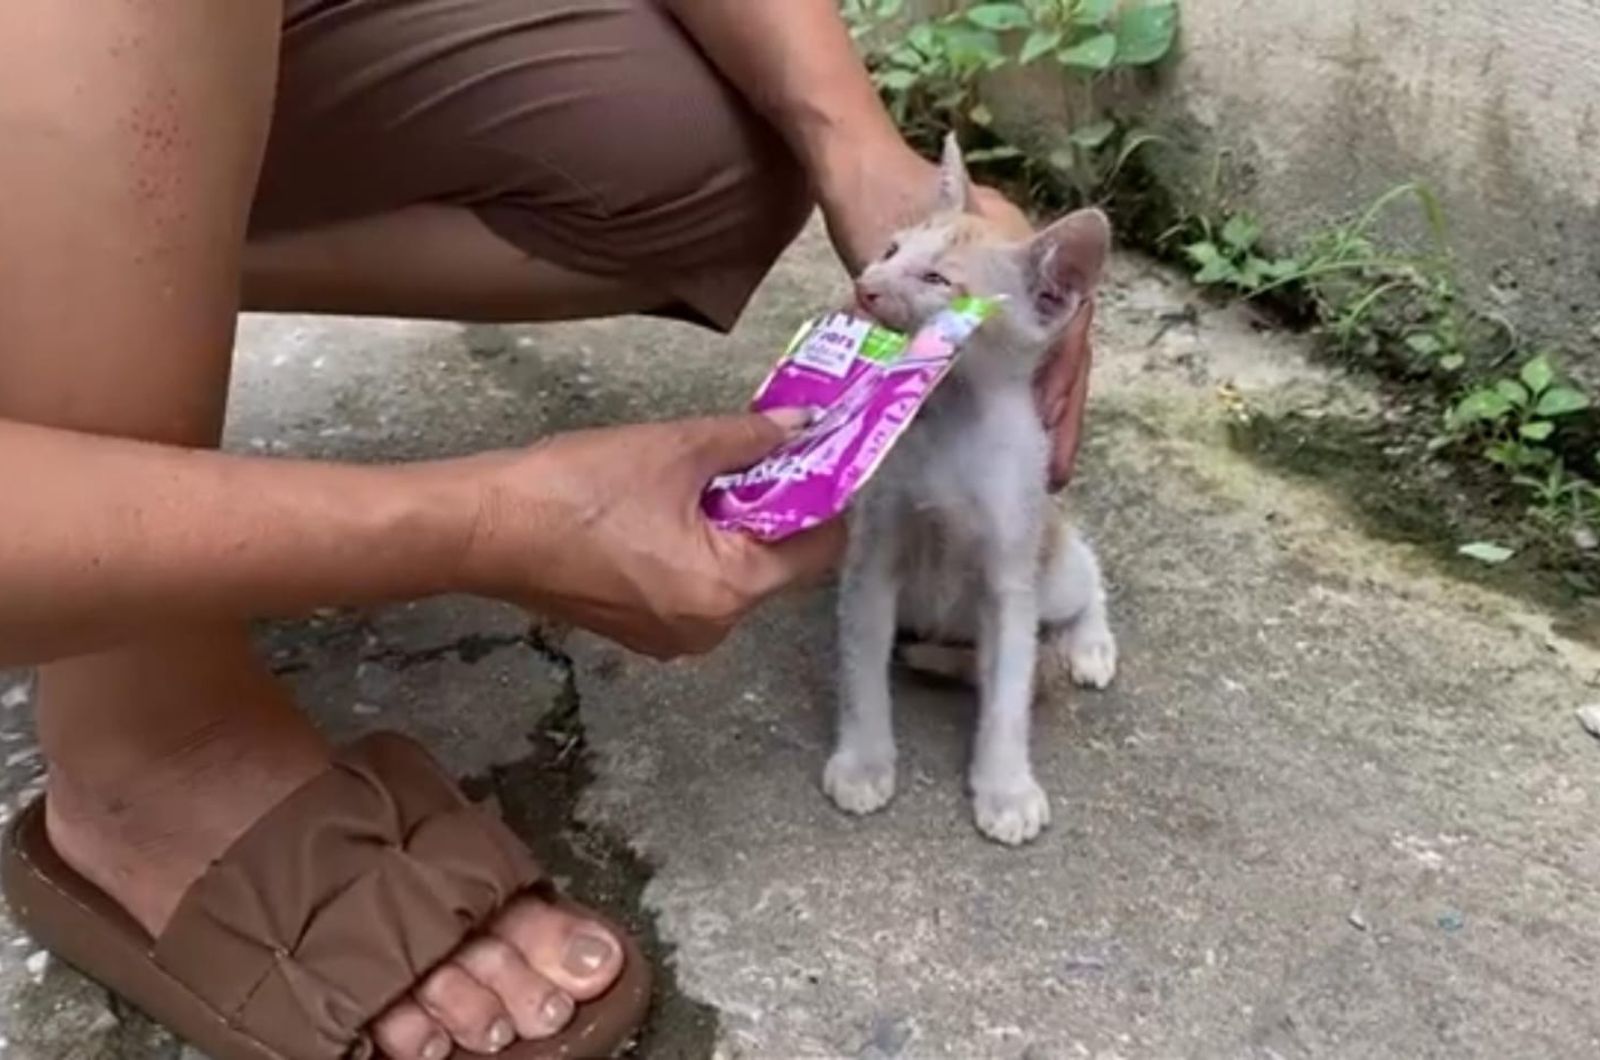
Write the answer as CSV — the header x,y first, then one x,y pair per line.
x,y
1404,313
1369,303
1515,418
1233,258
929,71
1513,423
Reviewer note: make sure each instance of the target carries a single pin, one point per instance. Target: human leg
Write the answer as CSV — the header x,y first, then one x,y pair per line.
x,y
122,226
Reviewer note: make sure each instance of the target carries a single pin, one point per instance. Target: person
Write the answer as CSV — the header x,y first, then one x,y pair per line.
x,y
167,163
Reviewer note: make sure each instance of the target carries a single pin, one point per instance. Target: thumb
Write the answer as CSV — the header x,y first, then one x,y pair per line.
x,y
802,560
733,443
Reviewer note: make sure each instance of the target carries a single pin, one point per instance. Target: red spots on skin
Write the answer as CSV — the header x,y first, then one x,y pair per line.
x,y
159,182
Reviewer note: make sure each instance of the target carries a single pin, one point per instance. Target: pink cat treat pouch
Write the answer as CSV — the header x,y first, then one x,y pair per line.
x,y
866,383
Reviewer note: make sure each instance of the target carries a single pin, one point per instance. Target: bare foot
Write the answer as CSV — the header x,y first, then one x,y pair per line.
x,y
143,831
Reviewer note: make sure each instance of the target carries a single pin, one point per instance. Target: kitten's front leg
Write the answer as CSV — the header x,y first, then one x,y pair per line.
x,y
860,775
1008,805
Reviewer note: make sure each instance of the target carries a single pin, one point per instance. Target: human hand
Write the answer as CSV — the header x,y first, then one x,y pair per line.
x,y
1062,391
603,529
869,193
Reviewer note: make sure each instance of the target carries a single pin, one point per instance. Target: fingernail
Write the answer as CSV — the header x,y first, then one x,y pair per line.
x,y
501,1034
587,954
437,1048
557,1011
793,421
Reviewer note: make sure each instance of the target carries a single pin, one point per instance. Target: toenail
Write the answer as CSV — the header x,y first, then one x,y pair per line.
x,y
557,1010
500,1035
437,1048
587,954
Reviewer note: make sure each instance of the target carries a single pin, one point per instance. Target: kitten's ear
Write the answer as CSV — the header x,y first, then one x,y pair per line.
x,y
955,185
1064,263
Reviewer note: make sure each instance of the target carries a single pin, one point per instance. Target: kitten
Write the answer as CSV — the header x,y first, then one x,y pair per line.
x,y
956,538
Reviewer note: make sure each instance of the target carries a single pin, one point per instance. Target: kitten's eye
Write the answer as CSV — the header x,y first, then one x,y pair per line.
x,y
894,248
937,279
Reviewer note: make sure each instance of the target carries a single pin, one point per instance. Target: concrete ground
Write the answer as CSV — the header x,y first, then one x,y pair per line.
x,y
1336,805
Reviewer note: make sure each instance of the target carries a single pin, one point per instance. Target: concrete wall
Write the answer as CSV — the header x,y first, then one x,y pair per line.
x,y
1318,106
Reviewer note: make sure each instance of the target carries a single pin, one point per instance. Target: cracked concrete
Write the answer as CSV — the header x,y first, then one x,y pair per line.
x,y
1336,805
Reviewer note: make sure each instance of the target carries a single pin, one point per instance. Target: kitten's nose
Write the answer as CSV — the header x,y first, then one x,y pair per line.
x,y
866,297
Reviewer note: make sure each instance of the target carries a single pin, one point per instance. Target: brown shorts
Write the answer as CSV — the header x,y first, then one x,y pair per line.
x,y
589,133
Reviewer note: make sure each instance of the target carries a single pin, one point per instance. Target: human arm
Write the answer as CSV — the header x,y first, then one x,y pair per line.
x,y
103,537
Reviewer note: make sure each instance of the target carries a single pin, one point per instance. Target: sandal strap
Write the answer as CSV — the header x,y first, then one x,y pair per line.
x,y
341,898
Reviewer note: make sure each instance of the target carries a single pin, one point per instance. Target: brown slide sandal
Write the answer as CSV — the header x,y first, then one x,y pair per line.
x,y
316,920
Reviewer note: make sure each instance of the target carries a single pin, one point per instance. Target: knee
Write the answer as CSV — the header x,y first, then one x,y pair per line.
x,y
698,156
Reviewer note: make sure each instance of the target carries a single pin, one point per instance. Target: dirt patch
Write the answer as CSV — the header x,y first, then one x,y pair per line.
x,y
1402,491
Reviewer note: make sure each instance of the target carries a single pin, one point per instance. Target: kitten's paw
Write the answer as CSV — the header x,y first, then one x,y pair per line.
x,y
1092,658
1013,816
858,786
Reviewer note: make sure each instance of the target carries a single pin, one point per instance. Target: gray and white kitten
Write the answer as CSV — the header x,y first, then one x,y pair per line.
x,y
956,539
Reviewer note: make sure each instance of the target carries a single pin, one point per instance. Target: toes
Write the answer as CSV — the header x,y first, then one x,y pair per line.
x,y
467,1009
537,1006
406,1032
523,979
581,957
1093,659
856,786
1013,816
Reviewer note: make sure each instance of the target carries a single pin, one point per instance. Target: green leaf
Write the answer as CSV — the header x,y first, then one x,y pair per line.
x,y
1506,454
1090,137
1280,268
1214,266
1538,374
924,38
1487,552
1093,53
1250,273
999,16
993,154
1145,33
907,56
1241,232
1093,12
971,49
1513,391
1040,42
1425,343
981,115
897,80
1480,405
1561,401
1537,430
1064,160
1452,362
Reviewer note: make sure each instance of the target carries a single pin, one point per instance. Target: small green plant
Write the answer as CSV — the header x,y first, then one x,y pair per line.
x,y
1515,419
1372,305
1232,257
1404,313
929,70
1560,499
